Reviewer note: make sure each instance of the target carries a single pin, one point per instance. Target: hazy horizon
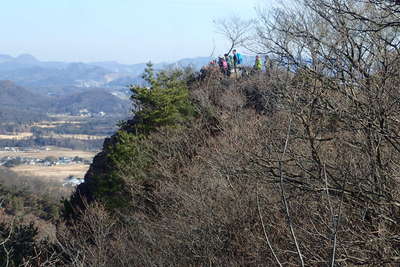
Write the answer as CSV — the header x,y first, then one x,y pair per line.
x,y
121,31
101,61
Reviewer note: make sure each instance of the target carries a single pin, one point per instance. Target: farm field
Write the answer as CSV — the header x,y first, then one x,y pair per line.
x,y
49,152
55,173
45,150
18,136
27,135
76,136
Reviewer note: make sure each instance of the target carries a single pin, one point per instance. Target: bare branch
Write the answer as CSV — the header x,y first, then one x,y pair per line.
x,y
236,30
284,199
265,231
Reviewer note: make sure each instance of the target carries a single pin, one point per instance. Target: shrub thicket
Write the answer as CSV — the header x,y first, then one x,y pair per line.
x,y
129,154
297,167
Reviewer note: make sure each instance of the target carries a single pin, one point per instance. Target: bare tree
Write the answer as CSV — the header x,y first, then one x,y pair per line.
x,y
342,62
236,30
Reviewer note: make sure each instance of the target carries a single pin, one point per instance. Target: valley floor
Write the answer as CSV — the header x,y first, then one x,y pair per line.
x,y
53,164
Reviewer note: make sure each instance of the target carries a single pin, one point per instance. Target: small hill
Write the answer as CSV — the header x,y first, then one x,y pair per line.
x,y
20,105
5,58
94,101
16,115
12,95
26,59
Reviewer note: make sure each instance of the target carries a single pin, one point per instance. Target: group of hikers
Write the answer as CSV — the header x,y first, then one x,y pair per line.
x,y
229,64
258,65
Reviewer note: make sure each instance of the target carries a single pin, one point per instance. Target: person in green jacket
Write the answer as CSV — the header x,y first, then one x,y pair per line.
x,y
268,65
258,64
229,60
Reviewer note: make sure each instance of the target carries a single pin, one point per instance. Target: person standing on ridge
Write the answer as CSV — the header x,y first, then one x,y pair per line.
x,y
258,64
268,65
229,60
223,65
237,60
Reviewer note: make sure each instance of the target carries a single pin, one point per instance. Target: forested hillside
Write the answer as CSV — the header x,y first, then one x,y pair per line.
x,y
18,99
28,119
296,166
94,101
19,105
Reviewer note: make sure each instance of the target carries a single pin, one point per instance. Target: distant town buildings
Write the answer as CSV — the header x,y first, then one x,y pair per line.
x,y
11,161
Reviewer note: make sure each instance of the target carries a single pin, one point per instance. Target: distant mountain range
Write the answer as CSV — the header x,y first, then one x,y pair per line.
x,y
20,104
59,78
30,88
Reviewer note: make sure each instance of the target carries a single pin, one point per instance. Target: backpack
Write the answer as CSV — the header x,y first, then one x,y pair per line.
x,y
224,64
239,58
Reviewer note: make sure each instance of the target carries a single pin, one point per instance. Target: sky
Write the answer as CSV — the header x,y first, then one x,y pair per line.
x,y
127,31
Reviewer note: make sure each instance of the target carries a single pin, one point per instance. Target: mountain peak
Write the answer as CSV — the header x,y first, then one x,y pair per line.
x,y
7,84
5,58
26,58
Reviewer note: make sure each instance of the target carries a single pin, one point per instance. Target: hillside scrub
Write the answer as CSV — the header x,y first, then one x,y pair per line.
x,y
129,154
225,190
295,168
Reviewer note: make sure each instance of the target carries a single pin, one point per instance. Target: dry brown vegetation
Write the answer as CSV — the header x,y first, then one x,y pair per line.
x,y
247,187
295,168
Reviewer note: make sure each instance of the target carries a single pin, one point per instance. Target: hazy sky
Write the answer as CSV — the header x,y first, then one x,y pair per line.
x,y
128,31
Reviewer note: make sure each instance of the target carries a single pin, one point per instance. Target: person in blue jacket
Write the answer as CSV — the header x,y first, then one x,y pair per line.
x,y
237,60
